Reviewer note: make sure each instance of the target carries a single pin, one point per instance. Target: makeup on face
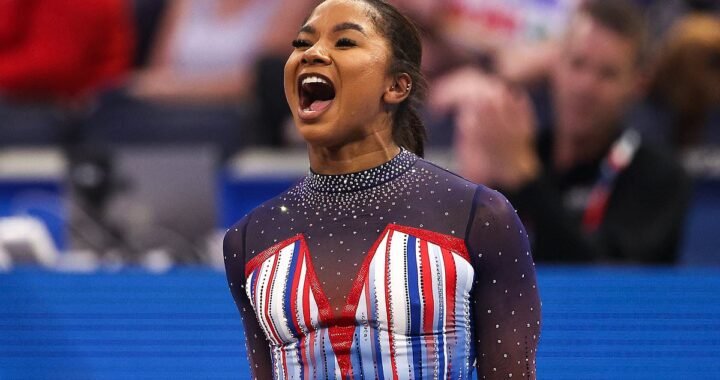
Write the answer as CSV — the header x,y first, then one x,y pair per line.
x,y
337,74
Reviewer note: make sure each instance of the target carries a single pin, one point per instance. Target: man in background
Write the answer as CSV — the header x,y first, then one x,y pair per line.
x,y
586,186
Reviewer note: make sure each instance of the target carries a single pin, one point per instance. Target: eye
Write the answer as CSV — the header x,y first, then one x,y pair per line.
x,y
609,73
577,63
299,44
345,43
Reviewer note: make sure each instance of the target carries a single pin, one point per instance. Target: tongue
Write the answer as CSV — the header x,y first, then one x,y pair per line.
x,y
319,105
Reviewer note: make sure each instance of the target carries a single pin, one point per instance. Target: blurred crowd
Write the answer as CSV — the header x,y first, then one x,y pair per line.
x,y
581,111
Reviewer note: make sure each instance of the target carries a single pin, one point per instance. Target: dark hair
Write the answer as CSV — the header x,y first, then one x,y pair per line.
x,y
623,18
406,46
686,80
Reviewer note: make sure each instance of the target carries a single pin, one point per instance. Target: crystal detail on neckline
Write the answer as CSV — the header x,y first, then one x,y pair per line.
x,y
362,180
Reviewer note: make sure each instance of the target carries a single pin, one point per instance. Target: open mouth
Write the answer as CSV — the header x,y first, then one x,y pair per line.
x,y
316,93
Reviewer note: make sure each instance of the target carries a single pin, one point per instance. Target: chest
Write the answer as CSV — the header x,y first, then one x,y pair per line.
x,y
411,282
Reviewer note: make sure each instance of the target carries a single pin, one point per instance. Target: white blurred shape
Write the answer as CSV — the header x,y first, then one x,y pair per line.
x,y
26,239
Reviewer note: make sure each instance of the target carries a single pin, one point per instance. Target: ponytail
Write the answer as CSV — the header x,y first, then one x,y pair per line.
x,y
409,129
404,38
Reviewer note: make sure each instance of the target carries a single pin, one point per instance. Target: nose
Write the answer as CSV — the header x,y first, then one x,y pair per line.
x,y
316,55
583,84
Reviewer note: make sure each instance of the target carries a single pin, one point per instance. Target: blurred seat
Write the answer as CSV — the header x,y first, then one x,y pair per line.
x,y
33,215
162,204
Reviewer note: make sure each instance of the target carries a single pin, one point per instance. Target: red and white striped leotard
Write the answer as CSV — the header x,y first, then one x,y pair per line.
x,y
404,271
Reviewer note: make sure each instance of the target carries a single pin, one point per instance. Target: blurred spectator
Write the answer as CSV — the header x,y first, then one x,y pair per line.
x,y
205,51
683,110
195,95
517,36
198,86
522,34
55,56
663,14
495,23
516,39
588,188
147,15
439,53
274,114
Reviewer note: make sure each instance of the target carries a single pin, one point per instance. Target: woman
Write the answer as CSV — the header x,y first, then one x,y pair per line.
x,y
378,264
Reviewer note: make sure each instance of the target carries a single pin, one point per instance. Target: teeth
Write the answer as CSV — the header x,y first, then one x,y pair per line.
x,y
314,79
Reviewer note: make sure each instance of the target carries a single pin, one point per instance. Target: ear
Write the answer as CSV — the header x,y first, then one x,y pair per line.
x,y
637,86
399,89
641,83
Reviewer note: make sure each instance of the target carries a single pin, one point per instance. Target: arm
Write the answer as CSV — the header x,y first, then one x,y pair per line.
x,y
167,85
505,295
258,349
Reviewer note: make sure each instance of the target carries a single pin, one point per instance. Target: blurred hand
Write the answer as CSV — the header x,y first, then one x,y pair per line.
x,y
462,87
495,135
165,85
153,84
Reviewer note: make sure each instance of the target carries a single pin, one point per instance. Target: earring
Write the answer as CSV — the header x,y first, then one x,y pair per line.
x,y
409,86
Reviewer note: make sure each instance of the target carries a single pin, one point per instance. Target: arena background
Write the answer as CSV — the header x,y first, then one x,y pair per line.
x,y
110,244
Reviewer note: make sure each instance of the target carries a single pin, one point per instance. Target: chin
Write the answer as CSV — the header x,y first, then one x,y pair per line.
x,y
317,134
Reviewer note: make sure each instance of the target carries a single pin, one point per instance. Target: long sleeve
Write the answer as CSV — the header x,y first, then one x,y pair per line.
x,y
402,271
505,295
258,349
643,222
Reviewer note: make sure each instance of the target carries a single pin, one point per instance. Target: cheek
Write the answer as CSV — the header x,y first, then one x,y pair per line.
x,y
562,78
289,76
368,74
367,93
615,95
561,89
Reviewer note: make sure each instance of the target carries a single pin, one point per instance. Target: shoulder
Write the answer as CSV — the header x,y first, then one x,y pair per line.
x,y
486,205
651,154
435,169
234,239
656,167
235,235
487,199
492,206
484,199
441,176
496,238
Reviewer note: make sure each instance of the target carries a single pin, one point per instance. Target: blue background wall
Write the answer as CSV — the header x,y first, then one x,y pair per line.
x,y
598,323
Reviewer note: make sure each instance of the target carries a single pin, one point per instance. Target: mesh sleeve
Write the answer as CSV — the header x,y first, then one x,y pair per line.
x,y
505,297
258,349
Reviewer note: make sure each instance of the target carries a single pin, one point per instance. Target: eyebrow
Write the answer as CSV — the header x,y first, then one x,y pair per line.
x,y
308,29
348,26
337,28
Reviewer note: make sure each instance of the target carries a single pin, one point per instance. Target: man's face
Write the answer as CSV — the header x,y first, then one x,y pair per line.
x,y
595,79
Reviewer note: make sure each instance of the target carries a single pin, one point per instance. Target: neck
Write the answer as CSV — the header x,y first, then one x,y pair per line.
x,y
571,150
353,157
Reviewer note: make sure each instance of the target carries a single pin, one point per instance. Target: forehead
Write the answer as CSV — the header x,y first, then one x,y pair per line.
x,y
332,12
588,36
